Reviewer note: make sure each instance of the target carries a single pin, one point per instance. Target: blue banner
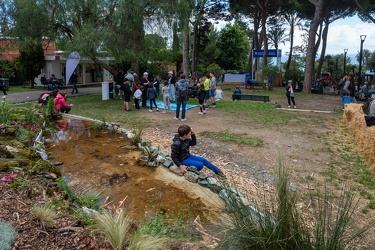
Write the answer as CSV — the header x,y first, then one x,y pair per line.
x,y
271,53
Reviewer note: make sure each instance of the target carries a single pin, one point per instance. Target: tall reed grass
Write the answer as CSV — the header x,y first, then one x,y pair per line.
x,y
280,225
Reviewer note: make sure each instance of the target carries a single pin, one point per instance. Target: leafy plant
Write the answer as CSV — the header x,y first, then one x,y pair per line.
x,y
162,225
17,183
135,135
100,125
7,236
45,214
5,111
25,136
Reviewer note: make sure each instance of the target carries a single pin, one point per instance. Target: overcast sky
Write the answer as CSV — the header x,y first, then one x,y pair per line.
x,y
342,34
345,34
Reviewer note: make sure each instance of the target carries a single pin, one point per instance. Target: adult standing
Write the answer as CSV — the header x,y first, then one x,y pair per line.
x,y
73,81
157,84
290,93
349,87
212,89
130,77
92,72
3,87
171,83
182,87
206,82
145,83
125,87
119,80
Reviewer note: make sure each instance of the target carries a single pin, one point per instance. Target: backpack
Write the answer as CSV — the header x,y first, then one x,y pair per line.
x,y
366,106
43,97
182,89
351,89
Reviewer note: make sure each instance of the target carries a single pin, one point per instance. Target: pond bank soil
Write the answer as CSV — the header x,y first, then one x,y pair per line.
x,y
98,161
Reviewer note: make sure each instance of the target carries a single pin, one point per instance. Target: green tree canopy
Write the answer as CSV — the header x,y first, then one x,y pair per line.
x,y
234,48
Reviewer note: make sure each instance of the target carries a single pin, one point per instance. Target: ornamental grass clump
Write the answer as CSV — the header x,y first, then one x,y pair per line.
x,y
142,241
45,214
115,226
280,225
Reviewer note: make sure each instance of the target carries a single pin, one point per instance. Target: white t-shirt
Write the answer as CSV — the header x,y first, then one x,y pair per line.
x,y
219,94
138,94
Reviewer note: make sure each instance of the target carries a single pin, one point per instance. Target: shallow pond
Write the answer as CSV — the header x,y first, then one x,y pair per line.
x,y
97,160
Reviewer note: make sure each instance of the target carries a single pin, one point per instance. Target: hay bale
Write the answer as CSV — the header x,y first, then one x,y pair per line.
x,y
363,136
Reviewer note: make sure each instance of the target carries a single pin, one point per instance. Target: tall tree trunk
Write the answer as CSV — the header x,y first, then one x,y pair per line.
x,y
310,54
185,53
324,47
195,48
256,43
264,31
291,37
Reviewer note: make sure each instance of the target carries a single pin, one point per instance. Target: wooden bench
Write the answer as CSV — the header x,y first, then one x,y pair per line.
x,y
249,97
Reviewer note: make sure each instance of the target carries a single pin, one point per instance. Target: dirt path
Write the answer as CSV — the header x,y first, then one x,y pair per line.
x,y
311,150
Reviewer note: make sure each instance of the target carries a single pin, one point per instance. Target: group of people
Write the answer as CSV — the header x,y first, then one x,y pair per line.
x,y
53,83
175,89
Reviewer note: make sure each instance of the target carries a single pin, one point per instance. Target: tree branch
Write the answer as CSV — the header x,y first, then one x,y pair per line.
x,y
364,12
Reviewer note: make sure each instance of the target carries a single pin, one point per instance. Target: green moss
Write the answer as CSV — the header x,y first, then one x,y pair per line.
x,y
43,167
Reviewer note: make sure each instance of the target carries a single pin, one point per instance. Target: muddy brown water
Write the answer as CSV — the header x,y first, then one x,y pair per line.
x,y
98,161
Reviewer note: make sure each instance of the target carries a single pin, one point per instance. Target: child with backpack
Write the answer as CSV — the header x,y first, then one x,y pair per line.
x,y
182,87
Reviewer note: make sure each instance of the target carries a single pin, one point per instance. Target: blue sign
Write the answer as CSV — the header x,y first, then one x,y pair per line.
x,y
271,53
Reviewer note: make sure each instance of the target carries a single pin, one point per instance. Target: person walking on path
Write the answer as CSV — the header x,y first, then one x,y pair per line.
x,y
206,81
73,81
171,83
212,89
151,95
201,95
166,91
145,83
180,148
290,93
182,87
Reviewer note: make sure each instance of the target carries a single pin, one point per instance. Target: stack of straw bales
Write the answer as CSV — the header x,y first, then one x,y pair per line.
x,y
363,136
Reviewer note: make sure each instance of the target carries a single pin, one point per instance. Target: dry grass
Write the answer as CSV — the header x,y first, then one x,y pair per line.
x,y
141,242
363,135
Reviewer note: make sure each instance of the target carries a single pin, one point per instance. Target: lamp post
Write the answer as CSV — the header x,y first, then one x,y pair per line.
x,y
345,51
363,38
